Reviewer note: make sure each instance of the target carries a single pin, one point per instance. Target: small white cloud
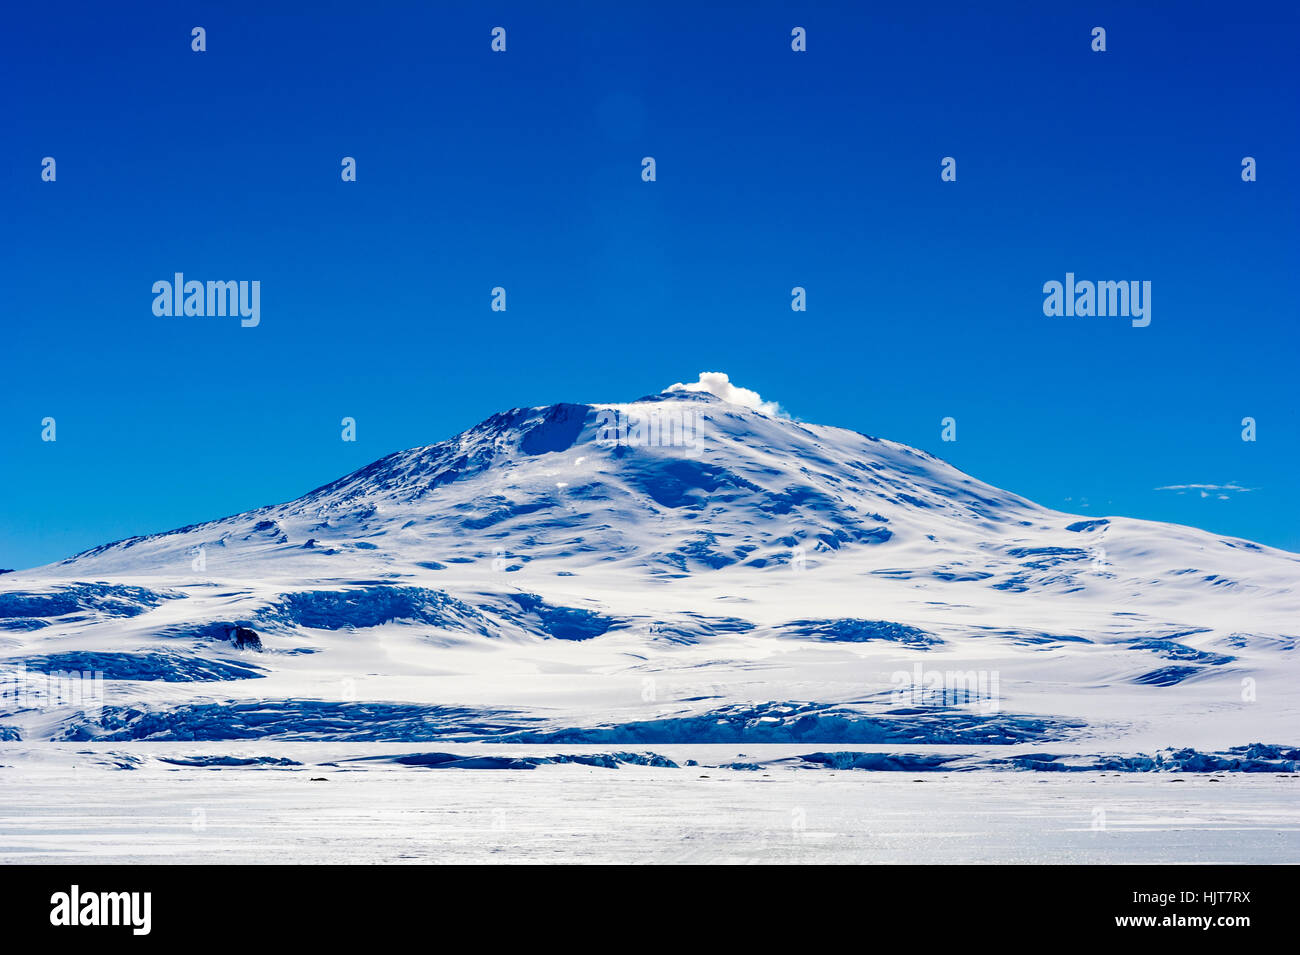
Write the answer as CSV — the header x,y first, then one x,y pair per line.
x,y
719,385
1205,490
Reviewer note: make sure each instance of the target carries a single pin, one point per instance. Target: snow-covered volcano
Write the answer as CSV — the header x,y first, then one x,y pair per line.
x,y
678,568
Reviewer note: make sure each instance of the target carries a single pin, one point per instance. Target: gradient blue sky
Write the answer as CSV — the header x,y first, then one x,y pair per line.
x,y
522,169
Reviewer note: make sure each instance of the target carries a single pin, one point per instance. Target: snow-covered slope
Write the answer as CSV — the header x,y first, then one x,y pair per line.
x,y
675,569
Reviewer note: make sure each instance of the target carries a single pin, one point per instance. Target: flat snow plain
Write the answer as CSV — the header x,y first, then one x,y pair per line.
x,y
70,803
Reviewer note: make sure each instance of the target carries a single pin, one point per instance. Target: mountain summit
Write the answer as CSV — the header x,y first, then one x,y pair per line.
x,y
678,482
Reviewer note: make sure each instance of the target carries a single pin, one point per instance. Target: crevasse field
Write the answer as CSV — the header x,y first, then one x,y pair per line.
x,y
677,630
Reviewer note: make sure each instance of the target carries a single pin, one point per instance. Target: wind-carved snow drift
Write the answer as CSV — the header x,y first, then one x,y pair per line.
x,y
680,569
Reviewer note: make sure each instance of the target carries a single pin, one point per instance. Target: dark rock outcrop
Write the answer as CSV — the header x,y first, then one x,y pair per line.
x,y
244,638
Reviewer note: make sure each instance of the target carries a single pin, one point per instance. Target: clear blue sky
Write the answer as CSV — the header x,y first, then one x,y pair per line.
x,y
522,170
